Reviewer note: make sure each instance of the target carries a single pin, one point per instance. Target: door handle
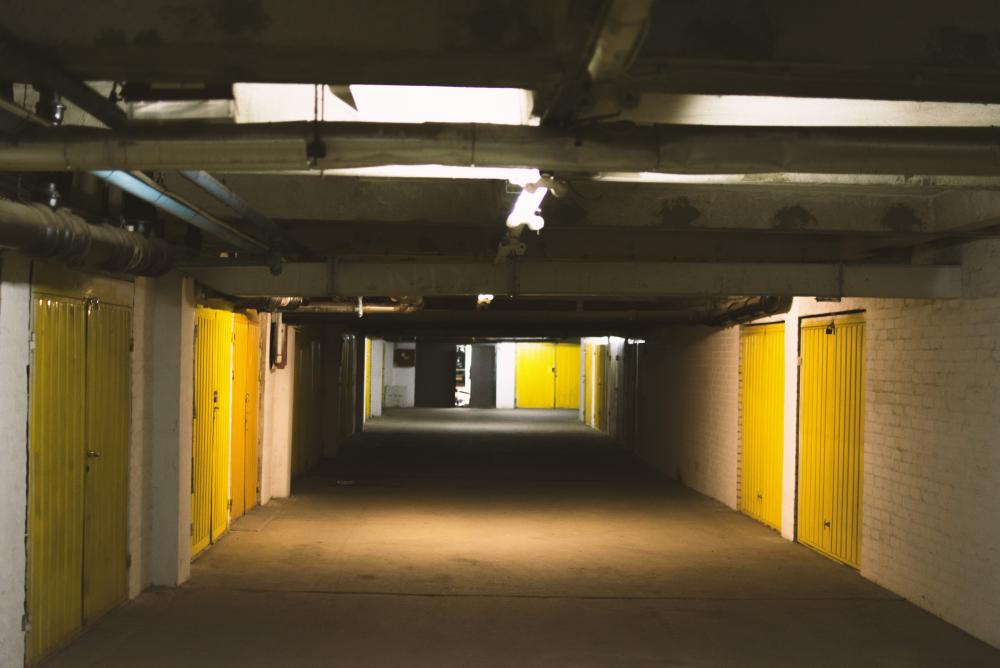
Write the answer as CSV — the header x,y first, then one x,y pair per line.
x,y
93,454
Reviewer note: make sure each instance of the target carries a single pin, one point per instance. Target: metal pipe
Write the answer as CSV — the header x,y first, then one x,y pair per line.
x,y
594,148
36,230
408,306
14,119
148,190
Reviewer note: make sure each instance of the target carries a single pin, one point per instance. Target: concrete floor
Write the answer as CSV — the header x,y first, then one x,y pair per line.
x,y
495,538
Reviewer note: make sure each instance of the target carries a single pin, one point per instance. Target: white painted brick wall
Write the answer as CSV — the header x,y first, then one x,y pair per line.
x,y
930,525
689,407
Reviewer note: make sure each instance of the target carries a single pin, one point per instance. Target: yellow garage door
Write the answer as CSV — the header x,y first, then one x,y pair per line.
x,y
78,465
831,436
588,384
105,557
212,424
534,379
568,375
245,398
368,378
763,417
252,410
238,444
57,452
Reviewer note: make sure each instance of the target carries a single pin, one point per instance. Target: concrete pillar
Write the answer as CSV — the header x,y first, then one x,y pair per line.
x,y
506,359
276,455
140,505
378,358
168,416
15,319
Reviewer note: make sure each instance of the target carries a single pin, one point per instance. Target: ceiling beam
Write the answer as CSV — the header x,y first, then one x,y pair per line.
x,y
594,148
586,279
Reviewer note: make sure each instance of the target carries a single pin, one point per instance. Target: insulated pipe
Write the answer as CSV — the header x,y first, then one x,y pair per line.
x,y
593,148
139,185
39,231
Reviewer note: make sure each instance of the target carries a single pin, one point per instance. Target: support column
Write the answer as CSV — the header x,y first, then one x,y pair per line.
x,y
15,323
169,383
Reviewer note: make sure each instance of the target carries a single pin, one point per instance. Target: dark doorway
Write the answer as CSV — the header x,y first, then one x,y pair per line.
x,y
483,372
435,375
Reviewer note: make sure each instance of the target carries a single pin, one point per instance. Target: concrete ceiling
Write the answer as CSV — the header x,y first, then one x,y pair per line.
x,y
916,221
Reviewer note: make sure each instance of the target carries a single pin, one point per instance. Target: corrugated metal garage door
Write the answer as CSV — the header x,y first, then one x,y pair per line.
x,y
105,560
535,379
568,375
78,460
831,436
212,423
238,446
55,473
762,349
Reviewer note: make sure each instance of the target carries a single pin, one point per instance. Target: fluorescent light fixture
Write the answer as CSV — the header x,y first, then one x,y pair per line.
x,y
529,201
273,103
484,299
525,211
511,174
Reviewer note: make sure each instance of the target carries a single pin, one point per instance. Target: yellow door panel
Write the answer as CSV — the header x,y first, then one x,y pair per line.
x,y
535,385
588,384
203,433
223,423
212,426
368,378
237,466
55,473
252,411
831,424
568,375
105,557
762,405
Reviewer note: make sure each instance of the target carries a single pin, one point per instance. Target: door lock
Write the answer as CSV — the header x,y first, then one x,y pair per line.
x,y
93,454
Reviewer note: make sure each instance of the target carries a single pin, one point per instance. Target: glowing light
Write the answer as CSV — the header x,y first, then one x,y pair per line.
x,y
484,299
525,211
272,103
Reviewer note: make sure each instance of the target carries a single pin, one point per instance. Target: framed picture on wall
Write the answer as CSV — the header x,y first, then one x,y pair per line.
x,y
404,357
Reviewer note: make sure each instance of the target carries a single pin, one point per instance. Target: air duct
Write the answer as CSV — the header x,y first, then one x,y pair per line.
x,y
36,230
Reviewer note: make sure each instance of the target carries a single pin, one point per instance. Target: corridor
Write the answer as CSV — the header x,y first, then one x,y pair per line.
x,y
453,537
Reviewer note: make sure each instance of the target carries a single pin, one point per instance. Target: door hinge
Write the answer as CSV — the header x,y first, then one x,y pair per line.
x,y
128,560
31,342
229,506
192,528
131,344
798,360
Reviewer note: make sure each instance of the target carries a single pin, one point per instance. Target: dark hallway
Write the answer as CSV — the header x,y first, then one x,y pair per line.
x,y
474,537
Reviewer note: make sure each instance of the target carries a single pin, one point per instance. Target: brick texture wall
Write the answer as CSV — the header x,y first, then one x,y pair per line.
x,y
689,406
931,505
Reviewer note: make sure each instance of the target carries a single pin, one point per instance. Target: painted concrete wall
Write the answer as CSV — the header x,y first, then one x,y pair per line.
x,y
276,426
15,317
400,382
689,407
140,482
506,365
932,436
167,416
